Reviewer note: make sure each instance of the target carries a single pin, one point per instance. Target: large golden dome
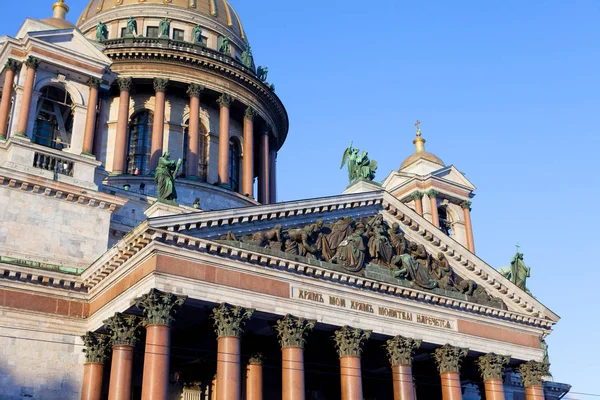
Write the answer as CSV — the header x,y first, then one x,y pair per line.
x,y
219,10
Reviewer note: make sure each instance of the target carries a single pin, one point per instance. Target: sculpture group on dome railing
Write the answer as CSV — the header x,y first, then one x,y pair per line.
x,y
372,248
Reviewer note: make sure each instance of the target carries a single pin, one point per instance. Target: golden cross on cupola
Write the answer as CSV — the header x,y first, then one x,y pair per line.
x,y
417,124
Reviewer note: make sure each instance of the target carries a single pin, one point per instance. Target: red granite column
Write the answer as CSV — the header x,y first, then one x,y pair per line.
x,y
348,341
90,119
96,348
248,162
418,198
400,351
449,359
119,167
491,366
158,123
263,175
273,176
123,331
532,373
158,308
435,219
254,378
32,64
7,94
193,91
228,324
223,163
291,332
466,206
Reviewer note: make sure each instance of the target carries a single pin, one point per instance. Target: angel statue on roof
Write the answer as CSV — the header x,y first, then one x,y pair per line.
x,y
360,167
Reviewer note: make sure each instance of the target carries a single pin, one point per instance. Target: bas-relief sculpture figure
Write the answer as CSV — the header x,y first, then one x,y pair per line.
x,y
101,32
518,272
361,245
197,35
131,29
164,28
224,44
360,167
164,176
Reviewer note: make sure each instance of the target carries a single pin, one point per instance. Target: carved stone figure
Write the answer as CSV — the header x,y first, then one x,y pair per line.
x,y
303,238
406,267
380,249
262,73
101,32
518,272
197,35
131,29
341,230
397,239
272,235
224,44
359,165
247,58
350,253
164,176
164,28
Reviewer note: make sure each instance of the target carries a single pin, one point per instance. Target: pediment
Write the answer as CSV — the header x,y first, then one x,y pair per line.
x,y
355,239
452,174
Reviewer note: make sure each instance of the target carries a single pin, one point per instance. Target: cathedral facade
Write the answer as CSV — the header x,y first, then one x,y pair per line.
x,y
144,255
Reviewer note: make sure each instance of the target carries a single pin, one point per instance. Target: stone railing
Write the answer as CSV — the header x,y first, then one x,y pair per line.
x,y
20,155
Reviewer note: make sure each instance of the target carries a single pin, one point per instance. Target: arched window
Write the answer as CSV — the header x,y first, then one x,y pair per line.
x,y
234,164
445,223
54,118
138,148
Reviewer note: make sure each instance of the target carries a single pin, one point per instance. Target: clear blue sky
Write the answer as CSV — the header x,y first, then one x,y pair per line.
x,y
507,91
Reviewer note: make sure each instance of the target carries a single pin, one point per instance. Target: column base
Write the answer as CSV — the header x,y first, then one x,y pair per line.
x,y
22,135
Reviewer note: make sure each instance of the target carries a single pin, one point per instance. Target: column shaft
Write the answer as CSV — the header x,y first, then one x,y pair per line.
x,y
92,381
273,176
435,219
7,95
228,368
535,392
419,206
248,167
119,159
404,388
254,382
90,120
223,168
494,390
351,378
158,129
120,372
156,362
469,229
264,180
26,101
451,389
193,137
292,371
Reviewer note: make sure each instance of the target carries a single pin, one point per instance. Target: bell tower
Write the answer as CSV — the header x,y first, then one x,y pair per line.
x,y
438,192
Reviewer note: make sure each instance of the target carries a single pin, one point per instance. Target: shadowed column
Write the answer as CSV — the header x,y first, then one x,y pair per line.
x,y
158,124
449,359
223,163
532,373
418,198
466,206
491,366
435,218
248,161
400,351
96,351
32,64
263,176
158,308
254,378
123,330
228,325
348,341
125,85
194,91
90,118
7,94
291,331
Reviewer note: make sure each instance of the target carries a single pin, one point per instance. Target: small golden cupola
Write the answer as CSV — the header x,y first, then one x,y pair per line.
x,y
420,152
59,16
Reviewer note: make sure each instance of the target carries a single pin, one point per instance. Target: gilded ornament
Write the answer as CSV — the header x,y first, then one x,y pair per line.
x,y
533,372
96,347
491,365
349,340
229,320
123,329
449,358
401,350
159,307
291,330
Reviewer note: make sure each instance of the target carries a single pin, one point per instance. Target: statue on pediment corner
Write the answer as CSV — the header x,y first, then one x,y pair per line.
x,y
518,272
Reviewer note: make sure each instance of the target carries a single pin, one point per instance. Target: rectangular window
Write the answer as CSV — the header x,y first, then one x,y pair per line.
x,y
152,31
123,32
178,35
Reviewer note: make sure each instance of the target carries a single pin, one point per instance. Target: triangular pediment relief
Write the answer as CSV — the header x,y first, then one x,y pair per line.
x,y
354,238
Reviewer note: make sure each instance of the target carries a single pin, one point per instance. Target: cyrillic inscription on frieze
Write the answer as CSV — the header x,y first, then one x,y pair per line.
x,y
311,296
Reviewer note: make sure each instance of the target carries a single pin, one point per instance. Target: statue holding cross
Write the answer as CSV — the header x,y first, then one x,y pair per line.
x,y
518,272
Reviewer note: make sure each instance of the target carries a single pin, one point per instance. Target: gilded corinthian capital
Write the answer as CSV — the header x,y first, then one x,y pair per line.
x,y
291,330
491,365
96,347
160,84
449,358
349,340
401,349
125,84
32,62
13,65
533,372
229,320
123,329
224,100
194,90
159,307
